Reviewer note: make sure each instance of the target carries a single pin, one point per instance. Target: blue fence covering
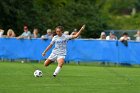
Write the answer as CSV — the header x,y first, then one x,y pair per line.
x,y
78,50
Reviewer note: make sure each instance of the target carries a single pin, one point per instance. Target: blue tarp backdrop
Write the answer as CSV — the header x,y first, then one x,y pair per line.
x,y
77,50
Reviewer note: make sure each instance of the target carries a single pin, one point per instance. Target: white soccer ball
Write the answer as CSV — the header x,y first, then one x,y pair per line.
x,y
38,73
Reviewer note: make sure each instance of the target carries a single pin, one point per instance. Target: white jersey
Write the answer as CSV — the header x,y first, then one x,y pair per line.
x,y
60,44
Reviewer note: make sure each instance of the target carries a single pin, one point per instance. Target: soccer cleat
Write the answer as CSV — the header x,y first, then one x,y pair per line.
x,y
54,75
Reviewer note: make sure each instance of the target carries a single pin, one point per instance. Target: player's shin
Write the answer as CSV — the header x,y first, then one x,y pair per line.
x,y
57,70
60,64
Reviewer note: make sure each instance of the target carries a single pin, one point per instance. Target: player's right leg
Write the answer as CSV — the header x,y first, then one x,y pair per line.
x,y
50,59
47,62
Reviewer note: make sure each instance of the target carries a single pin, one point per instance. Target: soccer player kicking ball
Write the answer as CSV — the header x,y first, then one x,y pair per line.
x,y
59,51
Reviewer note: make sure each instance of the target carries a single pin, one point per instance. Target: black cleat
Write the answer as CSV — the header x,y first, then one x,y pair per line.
x,y
54,75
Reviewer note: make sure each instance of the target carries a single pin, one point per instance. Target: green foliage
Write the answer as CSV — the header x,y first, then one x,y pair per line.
x,y
123,14
125,22
48,14
98,15
16,13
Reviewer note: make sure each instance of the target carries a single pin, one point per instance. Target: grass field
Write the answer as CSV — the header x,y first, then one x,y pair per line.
x,y
18,78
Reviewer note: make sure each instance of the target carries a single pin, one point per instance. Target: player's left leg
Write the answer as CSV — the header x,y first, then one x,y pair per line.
x,y
60,64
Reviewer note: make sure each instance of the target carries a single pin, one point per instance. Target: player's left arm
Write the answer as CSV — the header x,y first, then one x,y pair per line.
x,y
79,32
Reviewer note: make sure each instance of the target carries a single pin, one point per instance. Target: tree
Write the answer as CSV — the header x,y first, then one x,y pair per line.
x,y
46,14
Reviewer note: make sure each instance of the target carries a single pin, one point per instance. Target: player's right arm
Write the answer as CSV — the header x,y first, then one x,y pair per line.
x,y
49,47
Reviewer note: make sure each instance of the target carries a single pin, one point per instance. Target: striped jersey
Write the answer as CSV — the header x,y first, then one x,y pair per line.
x,y
60,44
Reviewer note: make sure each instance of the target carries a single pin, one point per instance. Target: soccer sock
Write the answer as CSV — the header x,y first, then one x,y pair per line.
x,y
57,70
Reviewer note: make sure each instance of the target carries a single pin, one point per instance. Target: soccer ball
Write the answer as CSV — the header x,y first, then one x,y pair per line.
x,y
38,73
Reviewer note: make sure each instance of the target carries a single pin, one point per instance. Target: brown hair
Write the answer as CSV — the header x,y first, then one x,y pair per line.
x,y
60,27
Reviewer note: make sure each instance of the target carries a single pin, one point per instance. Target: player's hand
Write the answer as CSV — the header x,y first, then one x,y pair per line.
x,y
83,27
43,54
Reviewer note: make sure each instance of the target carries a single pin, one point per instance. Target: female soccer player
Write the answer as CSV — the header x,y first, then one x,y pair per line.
x,y
59,51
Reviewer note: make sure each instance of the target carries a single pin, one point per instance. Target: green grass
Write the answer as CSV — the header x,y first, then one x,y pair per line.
x,y
18,78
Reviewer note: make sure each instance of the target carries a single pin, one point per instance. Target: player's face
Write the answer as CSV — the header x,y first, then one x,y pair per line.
x,y
58,31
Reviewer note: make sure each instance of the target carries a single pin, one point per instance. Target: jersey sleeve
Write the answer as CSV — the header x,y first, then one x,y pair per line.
x,y
53,41
68,37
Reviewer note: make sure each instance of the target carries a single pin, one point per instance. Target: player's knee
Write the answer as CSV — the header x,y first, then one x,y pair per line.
x,y
45,64
61,64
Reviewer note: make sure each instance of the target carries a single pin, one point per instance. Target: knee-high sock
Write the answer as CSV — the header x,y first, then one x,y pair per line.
x,y
57,70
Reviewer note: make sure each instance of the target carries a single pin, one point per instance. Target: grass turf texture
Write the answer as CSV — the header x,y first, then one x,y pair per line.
x,y
18,78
